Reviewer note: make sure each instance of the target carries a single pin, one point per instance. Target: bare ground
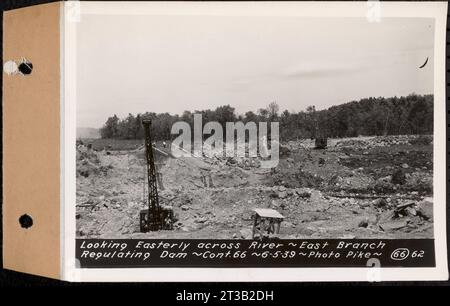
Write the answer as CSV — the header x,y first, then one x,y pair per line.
x,y
366,187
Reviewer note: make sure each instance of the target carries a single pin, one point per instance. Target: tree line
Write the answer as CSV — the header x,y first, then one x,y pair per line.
x,y
412,114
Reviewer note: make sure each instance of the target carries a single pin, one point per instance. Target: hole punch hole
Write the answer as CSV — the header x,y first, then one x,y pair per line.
x,y
26,221
25,67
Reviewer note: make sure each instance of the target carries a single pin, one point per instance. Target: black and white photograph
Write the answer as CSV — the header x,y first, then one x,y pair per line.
x,y
352,99
203,141
255,135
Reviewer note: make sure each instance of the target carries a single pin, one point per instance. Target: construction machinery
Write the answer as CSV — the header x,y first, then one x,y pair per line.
x,y
266,222
319,133
156,217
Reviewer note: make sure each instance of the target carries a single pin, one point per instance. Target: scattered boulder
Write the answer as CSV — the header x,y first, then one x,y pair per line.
x,y
282,194
411,211
231,161
200,220
394,225
386,179
403,209
398,177
307,231
348,236
303,193
380,203
425,209
288,224
246,233
363,223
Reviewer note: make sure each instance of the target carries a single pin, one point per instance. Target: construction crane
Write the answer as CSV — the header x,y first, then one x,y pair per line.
x,y
156,217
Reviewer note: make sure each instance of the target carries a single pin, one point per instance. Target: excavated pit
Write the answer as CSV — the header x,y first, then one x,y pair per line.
x,y
347,190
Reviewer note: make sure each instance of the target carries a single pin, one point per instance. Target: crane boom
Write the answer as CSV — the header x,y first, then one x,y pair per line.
x,y
154,221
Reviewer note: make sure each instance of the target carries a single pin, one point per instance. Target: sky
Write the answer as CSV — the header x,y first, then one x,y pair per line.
x,y
134,64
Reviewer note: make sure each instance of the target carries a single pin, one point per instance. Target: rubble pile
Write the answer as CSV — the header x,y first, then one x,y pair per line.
x,y
393,214
371,187
226,155
364,143
88,162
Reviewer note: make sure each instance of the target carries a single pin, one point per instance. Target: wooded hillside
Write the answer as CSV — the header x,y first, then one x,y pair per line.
x,y
412,114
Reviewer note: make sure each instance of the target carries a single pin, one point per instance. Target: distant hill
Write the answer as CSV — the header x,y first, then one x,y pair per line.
x,y
83,132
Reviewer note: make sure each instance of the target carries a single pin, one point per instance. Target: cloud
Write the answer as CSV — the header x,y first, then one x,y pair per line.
x,y
305,71
320,70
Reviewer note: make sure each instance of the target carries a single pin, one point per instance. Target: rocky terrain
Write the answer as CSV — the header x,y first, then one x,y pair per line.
x,y
365,187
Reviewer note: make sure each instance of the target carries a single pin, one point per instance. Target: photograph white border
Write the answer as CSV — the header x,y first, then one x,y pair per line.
x,y
72,14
